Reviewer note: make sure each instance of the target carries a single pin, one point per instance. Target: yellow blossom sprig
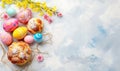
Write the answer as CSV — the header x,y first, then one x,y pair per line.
x,y
40,7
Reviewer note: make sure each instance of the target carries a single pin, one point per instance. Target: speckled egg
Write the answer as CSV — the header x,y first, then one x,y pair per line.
x,y
24,15
10,25
20,32
29,39
38,37
6,38
11,12
35,25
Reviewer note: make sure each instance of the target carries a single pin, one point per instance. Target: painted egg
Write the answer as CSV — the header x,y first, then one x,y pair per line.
x,y
35,25
20,32
6,38
38,37
11,12
10,25
29,39
24,15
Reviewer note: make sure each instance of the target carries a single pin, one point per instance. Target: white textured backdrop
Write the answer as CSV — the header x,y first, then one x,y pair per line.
x,y
87,38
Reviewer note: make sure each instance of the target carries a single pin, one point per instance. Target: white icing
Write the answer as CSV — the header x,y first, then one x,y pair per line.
x,y
21,55
32,24
14,50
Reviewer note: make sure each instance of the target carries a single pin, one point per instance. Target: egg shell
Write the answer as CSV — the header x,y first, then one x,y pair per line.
x,y
29,39
24,15
11,12
38,37
6,38
20,32
10,24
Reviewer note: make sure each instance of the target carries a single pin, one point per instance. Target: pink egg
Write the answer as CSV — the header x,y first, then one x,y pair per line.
x,y
6,38
24,16
29,39
10,25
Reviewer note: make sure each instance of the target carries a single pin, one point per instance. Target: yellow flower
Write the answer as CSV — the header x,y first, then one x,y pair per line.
x,y
43,5
18,4
36,9
46,8
31,5
35,6
3,1
24,4
3,5
41,13
50,13
37,3
8,1
54,9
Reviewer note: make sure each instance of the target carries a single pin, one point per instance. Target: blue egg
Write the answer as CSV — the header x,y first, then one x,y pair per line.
x,y
11,12
38,37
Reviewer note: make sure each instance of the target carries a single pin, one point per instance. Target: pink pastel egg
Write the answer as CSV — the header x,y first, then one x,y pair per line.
x,y
24,15
29,39
6,38
10,25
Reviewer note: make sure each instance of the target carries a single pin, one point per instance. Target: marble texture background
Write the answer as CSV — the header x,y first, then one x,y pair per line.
x,y
85,39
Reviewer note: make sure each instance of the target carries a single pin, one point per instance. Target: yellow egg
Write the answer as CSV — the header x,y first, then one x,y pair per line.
x,y
20,32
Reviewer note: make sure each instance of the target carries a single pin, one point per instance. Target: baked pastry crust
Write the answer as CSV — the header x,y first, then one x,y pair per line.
x,y
19,53
35,25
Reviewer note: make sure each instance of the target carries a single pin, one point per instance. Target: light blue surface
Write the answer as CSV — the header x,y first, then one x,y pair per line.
x,y
85,39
